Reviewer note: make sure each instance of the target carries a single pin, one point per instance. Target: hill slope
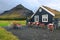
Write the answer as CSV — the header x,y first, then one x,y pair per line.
x,y
17,12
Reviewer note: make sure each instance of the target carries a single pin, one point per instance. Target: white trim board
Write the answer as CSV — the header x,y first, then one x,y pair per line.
x,y
46,10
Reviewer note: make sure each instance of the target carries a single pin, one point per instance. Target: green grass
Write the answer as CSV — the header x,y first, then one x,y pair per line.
x,y
4,35
7,22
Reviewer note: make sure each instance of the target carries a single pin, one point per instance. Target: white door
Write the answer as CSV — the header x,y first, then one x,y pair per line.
x,y
36,18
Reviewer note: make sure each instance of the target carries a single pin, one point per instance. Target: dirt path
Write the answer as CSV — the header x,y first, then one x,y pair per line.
x,y
35,34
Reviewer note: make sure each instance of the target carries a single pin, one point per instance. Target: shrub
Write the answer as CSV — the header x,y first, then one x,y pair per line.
x,y
42,25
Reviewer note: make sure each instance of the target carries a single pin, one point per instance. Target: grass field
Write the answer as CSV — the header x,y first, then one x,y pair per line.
x,y
7,22
5,35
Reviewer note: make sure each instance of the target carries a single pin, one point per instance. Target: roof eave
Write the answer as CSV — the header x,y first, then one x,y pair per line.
x,y
48,11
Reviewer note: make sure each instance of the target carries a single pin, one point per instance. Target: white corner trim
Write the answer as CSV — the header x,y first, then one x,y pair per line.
x,y
48,11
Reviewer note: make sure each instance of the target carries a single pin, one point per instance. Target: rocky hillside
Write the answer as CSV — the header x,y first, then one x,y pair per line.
x,y
18,12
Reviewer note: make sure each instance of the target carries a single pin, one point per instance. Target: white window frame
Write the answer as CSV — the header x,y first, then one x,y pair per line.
x,y
45,16
36,18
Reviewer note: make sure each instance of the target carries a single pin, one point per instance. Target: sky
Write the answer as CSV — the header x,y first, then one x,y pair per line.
x,y
30,4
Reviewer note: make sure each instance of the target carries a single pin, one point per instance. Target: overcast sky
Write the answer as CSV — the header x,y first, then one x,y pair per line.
x,y
30,4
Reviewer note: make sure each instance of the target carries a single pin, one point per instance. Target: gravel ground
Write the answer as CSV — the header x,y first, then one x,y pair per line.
x,y
25,33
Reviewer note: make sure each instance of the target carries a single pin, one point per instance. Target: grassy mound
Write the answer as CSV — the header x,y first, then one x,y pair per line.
x,y
4,35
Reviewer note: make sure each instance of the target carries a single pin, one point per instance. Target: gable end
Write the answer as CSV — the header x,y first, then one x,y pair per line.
x,y
48,11
45,10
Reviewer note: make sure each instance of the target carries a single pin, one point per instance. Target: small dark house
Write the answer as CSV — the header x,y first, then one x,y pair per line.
x,y
42,15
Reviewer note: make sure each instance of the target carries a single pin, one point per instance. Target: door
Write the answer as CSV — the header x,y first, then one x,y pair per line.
x,y
36,18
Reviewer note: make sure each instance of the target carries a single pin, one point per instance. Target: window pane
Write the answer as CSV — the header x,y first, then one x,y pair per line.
x,y
44,19
36,19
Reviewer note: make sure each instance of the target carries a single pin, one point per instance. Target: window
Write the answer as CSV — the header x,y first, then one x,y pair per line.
x,y
58,23
40,10
36,18
45,18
